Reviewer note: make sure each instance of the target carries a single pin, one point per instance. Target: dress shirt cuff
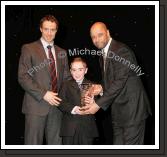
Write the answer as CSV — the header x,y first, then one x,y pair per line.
x,y
73,110
101,93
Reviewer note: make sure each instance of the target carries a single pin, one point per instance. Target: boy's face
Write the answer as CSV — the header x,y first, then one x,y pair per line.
x,y
78,70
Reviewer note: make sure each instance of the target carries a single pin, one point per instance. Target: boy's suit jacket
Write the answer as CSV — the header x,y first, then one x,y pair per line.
x,y
70,94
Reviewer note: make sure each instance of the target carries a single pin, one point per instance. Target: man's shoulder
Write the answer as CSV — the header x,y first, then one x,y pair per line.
x,y
123,50
32,44
58,48
118,44
118,47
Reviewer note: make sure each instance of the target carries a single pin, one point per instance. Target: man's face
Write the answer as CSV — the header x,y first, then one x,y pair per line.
x,y
48,30
100,37
78,70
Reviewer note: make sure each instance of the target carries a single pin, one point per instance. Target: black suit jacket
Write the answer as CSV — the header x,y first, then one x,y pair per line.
x,y
70,94
123,89
35,79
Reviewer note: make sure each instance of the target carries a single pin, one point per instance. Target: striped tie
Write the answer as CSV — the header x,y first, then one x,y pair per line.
x,y
52,69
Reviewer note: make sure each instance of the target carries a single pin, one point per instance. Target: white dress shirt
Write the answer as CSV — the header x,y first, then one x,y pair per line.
x,y
105,51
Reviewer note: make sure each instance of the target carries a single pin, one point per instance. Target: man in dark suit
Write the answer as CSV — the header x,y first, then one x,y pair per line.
x,y
41,72
122,88
76,129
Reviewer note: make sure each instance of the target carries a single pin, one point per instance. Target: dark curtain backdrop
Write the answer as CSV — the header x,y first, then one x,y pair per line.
x,y
133,25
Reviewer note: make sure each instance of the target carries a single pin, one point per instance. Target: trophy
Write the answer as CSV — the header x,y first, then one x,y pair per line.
x,y
86,89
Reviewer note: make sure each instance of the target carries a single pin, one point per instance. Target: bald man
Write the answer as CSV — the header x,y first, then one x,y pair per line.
x,y
122,89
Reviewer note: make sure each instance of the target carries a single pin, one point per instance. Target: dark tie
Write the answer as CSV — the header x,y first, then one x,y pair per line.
x,y
52,69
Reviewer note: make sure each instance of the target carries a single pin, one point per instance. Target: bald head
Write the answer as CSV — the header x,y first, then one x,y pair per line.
x,y
100,34
98,25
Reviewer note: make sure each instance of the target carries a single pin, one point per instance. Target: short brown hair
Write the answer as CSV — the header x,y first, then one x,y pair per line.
x,y
79,59
49,18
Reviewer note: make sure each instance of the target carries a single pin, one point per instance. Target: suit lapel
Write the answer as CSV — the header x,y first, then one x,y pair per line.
x,y
101,61
58,63
41,52
74,84
75,92
108,59
85,81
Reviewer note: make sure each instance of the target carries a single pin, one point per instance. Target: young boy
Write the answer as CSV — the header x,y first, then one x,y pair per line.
x,y
76,129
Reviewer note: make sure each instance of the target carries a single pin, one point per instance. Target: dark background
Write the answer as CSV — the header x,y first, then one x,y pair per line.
x,y
133,25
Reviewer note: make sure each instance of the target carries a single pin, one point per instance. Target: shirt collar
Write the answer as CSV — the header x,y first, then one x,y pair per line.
x,y
45,44
105,49
80,81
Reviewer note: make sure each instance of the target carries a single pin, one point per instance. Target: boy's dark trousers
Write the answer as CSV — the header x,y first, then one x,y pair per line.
x,y
78,139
